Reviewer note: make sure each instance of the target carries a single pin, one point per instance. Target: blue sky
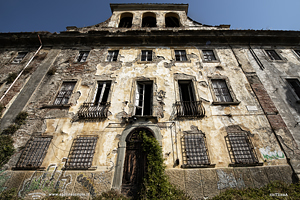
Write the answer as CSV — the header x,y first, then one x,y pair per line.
x,y
56,15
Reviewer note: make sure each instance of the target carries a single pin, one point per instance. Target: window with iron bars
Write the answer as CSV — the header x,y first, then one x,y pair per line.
x,y
146,55
82,152
194,149
34,153
209,55
112,55
180,55
82,56
273,55
19,57
240,148
64,93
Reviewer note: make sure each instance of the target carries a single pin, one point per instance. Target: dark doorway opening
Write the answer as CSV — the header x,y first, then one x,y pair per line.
x,y
135,163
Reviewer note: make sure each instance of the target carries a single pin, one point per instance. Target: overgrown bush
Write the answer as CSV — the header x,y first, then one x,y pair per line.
x,y
112,194
264,193
20,120
11,77
51,71
155,183
6,149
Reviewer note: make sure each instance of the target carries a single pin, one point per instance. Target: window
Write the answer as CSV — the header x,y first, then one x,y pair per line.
x,y
188,106
149,20
273,55
112,55
239,146
171,20
65,93
180,55
102,92
295,85
82,56
143,98
297,52
126,20
19,57
208,55
82,152
34,153
221,91
194,149
146,55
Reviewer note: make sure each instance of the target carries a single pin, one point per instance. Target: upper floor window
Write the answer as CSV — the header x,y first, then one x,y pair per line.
x,y
126,20
297,52
172,20
82,56
149,20
221,91
64,93
143,98
180,55
146,55
273,55
295,85
209,55
112,55
19,57
102,93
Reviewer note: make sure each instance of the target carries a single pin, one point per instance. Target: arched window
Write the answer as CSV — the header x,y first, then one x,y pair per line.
x,y
149,20
126,20
172,20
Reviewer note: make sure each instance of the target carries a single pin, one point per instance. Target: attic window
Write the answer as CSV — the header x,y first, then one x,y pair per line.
x,y
180,55
19,57
171,20
112,55
149,20
126,20
273,55
82,56
146,55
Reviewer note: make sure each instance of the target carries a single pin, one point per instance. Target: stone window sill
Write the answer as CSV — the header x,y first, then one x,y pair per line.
x,y
198,166
226,103
245,164
63,106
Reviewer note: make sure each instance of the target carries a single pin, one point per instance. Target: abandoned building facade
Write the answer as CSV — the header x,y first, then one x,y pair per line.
x,y
222,103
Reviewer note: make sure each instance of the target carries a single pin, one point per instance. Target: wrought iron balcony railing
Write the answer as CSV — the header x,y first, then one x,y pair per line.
x,y
93,110
189,109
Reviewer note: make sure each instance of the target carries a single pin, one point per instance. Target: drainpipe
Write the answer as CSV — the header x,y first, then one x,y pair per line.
x,y
22,70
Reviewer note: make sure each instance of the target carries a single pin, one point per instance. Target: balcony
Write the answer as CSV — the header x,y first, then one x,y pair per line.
x,y
93,111
189,109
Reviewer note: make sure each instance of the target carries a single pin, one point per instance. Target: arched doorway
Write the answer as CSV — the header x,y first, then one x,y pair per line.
x,y
135,162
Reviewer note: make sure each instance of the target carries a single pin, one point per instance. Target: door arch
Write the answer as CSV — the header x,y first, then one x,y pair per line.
x,y
119,165
135,162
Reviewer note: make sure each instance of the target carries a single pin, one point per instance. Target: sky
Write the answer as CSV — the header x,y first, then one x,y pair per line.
x,y
56,15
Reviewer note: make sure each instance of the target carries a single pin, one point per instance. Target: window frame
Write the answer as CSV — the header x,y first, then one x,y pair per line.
x,y
217,60
112,60
296,54
236,131
25,155
96,91
59,89
282,59
185,157
22,58
146,56
291,88
230,91
179,50
143,82
79,55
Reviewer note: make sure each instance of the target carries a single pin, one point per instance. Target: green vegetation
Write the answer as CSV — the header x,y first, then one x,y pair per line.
x,y
155,183
11,77
111,195
6,149
20,120
264,193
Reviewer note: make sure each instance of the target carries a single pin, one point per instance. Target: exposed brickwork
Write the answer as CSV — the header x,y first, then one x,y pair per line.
x,y
276,122
264,99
